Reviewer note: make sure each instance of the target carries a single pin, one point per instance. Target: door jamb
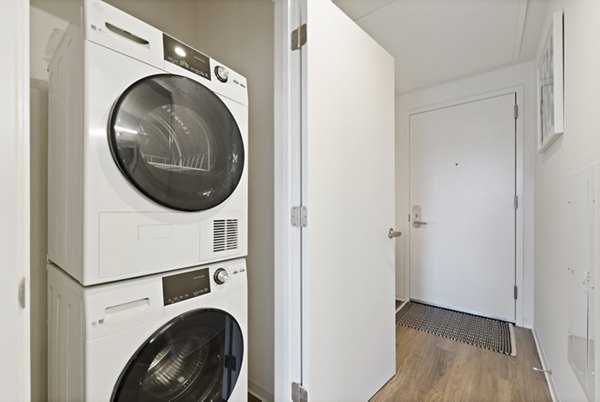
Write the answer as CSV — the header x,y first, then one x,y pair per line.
x,y
520,174
287,194
14,203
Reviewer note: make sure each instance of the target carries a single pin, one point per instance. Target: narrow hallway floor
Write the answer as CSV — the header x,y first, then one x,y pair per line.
x,y
431,368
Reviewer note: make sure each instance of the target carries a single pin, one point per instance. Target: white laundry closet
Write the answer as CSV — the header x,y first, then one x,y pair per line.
x,y
240,35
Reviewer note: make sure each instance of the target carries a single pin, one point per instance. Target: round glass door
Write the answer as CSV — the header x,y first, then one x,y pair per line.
x,y
197,356
177,142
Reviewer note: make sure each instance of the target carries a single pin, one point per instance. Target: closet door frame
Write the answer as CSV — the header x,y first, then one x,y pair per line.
x,y
14,203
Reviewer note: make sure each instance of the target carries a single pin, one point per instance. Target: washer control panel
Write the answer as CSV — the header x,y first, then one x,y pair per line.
x,y
180,287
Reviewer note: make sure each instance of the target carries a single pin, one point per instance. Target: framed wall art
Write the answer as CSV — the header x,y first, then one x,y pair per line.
x,y
550,84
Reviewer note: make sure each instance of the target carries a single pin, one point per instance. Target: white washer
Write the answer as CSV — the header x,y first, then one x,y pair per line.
x,y
147,151
178,336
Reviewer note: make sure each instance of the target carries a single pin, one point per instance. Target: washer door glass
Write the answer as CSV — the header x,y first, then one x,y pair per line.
x,y
197,356
177,142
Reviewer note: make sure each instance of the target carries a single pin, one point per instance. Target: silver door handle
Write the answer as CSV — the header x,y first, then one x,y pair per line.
x,y
392,233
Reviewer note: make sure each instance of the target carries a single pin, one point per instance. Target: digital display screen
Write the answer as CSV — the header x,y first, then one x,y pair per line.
x,y
186,57
185,286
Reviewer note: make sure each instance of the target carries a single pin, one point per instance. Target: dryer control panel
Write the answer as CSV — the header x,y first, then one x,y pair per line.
x,y
186,57
186,285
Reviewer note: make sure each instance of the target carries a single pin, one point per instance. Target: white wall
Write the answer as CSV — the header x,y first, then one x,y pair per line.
x,y
238,33
509,77
576,149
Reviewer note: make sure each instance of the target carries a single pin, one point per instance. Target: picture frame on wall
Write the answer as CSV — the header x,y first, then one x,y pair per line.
x,y
550,84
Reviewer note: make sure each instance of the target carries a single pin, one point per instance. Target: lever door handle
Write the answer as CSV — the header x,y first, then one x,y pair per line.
x,y
392,233
416,217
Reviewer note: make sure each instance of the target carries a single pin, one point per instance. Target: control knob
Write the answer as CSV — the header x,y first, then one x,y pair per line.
x,y
221,276
221,73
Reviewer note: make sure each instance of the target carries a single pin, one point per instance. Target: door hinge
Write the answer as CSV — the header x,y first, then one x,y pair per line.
x,y
299,37
516,112
299,217
516,291
516,202
299,394
22,292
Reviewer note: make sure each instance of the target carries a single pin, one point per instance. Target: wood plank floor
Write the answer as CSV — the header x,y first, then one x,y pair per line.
x,y
432,368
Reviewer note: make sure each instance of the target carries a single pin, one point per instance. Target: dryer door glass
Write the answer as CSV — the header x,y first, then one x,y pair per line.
x,y
177,142
195,357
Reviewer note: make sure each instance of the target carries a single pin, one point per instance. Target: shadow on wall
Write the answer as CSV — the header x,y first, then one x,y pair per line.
x,y
39,236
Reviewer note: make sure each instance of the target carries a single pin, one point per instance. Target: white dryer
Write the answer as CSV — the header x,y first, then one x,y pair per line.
x,y
178,336
147,151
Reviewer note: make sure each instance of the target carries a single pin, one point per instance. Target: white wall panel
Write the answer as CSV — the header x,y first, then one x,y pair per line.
x,y
42,23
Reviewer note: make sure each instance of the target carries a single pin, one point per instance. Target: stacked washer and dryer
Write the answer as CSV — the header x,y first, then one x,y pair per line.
x,y
147,216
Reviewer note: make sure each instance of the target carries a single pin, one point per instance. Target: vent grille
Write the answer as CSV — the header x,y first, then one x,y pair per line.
x,y
225,235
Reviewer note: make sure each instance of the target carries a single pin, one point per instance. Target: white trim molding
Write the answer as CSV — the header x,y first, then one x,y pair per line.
x,y
287,189
548,375
260,392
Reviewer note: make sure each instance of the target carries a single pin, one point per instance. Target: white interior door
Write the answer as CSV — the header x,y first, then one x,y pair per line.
x,y
462,184
348,189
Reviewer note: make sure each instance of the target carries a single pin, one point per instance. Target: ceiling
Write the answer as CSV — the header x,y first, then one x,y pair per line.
x,y
435,41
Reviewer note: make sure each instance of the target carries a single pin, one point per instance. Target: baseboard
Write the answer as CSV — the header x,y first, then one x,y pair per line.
x,y
259,392
527,324
549,378
513,340
404,303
